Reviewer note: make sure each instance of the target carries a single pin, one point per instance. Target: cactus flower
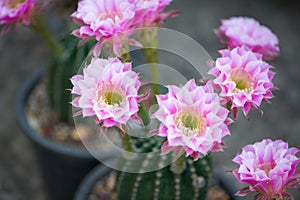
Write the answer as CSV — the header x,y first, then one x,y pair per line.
x,y
113,21
269,167
106,21
16,11
239,31
191,118
243,78
153,11
108,89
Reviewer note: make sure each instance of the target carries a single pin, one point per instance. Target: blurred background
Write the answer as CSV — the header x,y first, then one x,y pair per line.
x,y
21,53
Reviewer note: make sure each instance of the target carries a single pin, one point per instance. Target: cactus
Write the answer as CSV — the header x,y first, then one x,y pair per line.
x,y
163,184
59,74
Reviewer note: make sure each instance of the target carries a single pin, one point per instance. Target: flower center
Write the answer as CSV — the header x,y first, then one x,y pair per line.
x,y
108,95
242,79
112,98
110,15
266,166
13,3
190,123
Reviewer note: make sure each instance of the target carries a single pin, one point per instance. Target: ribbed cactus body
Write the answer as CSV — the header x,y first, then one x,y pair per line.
x,y
164,184
59,74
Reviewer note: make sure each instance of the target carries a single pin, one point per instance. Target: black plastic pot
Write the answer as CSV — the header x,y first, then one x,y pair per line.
x,y
102,171
90,181
62,167
220,179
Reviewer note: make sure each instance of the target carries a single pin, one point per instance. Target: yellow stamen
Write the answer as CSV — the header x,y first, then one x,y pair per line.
x,y
111,15
243,80
190,123
267,167
107,95
13,3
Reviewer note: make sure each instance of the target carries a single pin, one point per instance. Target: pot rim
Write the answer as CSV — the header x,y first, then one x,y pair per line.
x,y
30,132
89,181
101,171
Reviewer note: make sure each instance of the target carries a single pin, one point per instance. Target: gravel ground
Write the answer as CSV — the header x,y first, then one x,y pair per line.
x,y
21,53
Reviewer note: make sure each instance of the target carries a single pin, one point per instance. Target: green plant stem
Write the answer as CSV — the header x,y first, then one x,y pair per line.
x,y
126,143
277,198
41,29
148,39
144,114
151,57
179,165
125,53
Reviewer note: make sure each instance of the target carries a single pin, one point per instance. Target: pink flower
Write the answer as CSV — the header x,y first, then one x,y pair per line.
x,y
242,78
153,5
108,89
270,168
16,11
238,31
113,21
152,11
191,118
106,21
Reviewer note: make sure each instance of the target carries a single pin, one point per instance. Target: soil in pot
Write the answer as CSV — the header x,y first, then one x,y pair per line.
x,y
44,121
40,117
63,164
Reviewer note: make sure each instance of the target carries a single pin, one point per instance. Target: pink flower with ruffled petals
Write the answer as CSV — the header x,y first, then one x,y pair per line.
x,y
106,21
238,31
242,78
191,118
153,11
16,11
108,89
270,168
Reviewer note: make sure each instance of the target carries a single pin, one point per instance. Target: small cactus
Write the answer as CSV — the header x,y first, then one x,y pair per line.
x,y
59,74
163,184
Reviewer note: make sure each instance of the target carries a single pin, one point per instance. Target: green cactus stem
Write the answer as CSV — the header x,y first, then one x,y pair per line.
x,y
59,73
41,29
189,183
